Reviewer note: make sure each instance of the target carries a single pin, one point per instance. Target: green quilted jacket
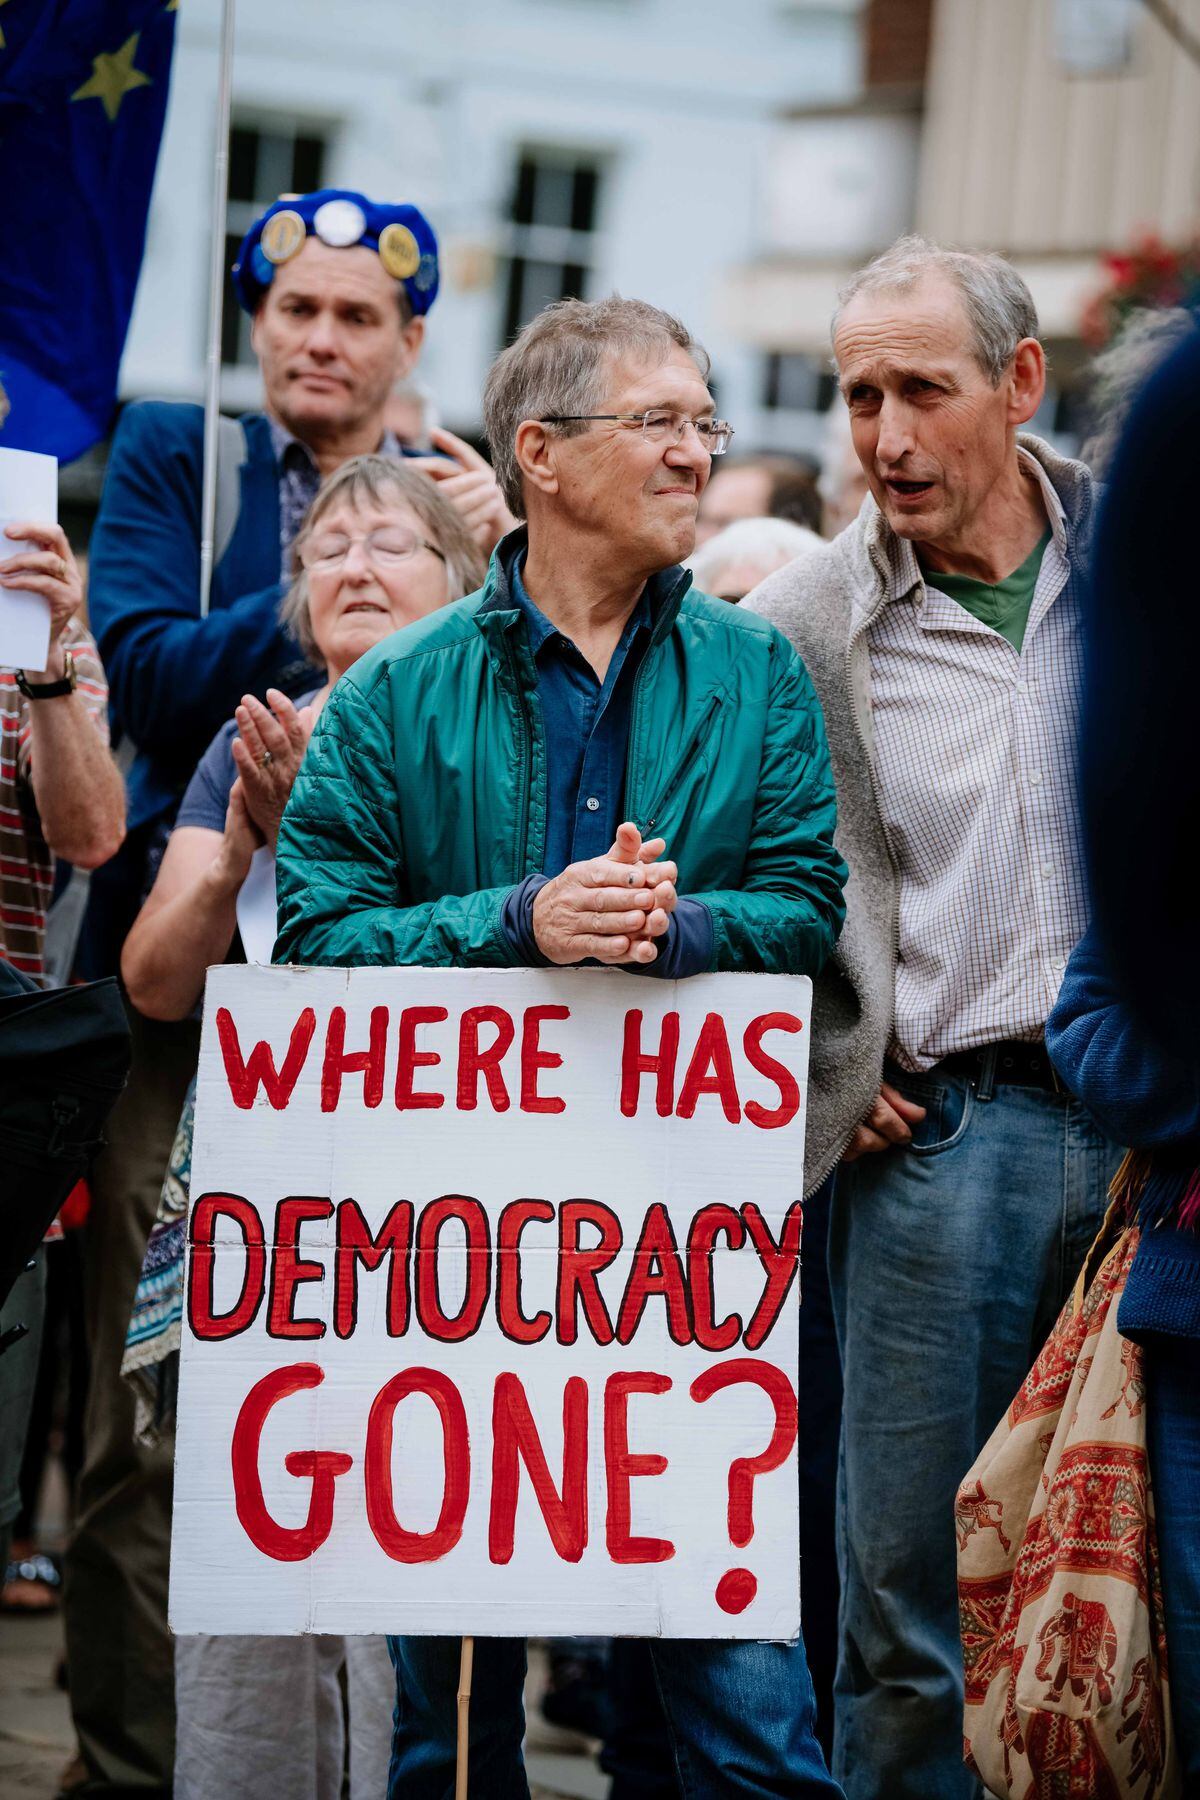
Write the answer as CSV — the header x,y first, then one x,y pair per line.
x,y
422,800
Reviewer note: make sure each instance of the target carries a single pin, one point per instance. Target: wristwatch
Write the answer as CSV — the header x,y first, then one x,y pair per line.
x,y
50,690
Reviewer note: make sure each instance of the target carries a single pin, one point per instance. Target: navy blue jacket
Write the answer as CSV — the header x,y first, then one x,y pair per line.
x,y
175,678
1139,762
1147,1096
1124,1032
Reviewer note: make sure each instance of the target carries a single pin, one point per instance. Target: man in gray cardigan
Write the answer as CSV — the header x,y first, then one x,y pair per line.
x,y
942,631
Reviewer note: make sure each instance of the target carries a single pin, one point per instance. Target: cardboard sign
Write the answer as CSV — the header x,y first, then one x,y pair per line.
x,y
491,1320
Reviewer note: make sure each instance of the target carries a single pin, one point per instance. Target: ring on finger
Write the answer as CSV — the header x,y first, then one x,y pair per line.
x,y
265,758
62,568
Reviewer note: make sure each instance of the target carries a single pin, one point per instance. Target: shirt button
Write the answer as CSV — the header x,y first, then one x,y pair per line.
x,y
593,805
1035,779
1022,687
1048,871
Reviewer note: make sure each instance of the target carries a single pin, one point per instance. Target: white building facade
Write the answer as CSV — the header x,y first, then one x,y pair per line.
x,y
556,145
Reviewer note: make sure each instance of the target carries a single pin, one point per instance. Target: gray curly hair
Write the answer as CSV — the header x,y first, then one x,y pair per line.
x,y
380,479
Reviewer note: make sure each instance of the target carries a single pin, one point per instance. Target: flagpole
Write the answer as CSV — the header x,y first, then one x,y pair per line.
x,y
216,295
462,1746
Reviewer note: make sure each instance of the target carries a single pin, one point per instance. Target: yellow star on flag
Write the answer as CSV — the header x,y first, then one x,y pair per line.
x,y
113,76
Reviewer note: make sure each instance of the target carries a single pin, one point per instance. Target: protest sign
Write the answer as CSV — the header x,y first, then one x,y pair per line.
x,y
29,495
491,1316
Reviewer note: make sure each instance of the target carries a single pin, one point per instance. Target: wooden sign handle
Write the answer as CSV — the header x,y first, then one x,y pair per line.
x,y
465,1666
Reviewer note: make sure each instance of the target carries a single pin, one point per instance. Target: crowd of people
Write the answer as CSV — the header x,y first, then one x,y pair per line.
x,y
453,712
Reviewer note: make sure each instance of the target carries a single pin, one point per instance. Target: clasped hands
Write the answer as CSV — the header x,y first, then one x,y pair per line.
x,y
612,908
268,752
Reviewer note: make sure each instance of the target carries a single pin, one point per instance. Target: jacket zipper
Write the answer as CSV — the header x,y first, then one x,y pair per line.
x,y
525,763
682,767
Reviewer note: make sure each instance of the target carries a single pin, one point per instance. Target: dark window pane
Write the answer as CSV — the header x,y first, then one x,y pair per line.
x,y
796,382
827,390
232,316
583,200
555,184
543,283
523,193
274,175
512,299
533,285
243,163
308,164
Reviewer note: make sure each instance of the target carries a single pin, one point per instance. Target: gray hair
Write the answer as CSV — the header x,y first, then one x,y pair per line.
x,y
766,544
998,304
379,479
558,364
1146,339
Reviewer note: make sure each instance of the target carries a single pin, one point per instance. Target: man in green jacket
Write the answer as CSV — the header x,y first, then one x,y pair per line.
x,y
582,762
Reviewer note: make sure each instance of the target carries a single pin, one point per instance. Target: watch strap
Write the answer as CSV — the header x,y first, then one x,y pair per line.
x,y
50,690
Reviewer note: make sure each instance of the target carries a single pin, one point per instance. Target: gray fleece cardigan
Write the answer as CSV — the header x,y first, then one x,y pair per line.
x,y
823,604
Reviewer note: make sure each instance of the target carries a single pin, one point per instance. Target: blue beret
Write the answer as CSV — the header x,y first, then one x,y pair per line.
x,y
401,236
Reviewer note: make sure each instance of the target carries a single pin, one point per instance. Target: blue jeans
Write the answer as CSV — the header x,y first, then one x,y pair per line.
x,y
949,1262
1173,1429
740,1717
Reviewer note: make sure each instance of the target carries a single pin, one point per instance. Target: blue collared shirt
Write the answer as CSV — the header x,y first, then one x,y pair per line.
x,y
299,479
586,722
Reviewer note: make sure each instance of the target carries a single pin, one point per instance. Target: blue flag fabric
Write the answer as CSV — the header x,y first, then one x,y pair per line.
x,y
83,94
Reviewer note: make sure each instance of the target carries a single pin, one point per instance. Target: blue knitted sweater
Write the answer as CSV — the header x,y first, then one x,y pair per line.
x,y
1145,1096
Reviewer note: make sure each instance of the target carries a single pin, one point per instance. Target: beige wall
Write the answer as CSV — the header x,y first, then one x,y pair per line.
x,y
1029,161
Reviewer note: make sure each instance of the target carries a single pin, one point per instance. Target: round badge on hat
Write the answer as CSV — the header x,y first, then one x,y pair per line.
x,y
399,251
427,273
339,223
282,235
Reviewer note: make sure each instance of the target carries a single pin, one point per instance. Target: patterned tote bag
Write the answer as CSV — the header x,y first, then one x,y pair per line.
x,y
1060,1598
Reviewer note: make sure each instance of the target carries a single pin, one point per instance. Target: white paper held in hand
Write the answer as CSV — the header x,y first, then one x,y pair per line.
x,y
28,491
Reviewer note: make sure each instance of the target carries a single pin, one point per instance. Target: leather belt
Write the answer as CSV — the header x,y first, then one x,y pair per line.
x,y
1003,1064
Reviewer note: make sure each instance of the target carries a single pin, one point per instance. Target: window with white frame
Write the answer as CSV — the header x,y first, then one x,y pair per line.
x,y
265,161
551,239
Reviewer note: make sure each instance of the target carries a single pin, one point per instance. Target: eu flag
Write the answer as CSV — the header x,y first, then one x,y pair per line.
x,y
83,93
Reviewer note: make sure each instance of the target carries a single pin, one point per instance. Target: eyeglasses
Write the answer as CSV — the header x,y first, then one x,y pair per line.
x,y
394,544
659,426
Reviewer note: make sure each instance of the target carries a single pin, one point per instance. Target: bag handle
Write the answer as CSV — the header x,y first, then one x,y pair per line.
x,y
1123,1191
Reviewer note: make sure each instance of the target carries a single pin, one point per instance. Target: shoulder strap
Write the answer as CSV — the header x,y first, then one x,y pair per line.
x,y
232,452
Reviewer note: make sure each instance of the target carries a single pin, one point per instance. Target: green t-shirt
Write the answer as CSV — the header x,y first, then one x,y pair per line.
x,y
1005,607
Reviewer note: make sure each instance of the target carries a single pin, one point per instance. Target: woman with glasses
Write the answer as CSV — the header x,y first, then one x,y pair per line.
x,y
379,549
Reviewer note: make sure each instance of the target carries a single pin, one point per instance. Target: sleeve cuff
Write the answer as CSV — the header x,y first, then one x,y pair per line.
x,y
516,919
687,948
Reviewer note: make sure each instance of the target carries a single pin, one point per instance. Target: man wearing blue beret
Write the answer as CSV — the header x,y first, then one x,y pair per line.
x,y
338,288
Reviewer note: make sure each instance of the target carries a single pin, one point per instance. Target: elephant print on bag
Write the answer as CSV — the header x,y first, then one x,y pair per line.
x,y
1083,1637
